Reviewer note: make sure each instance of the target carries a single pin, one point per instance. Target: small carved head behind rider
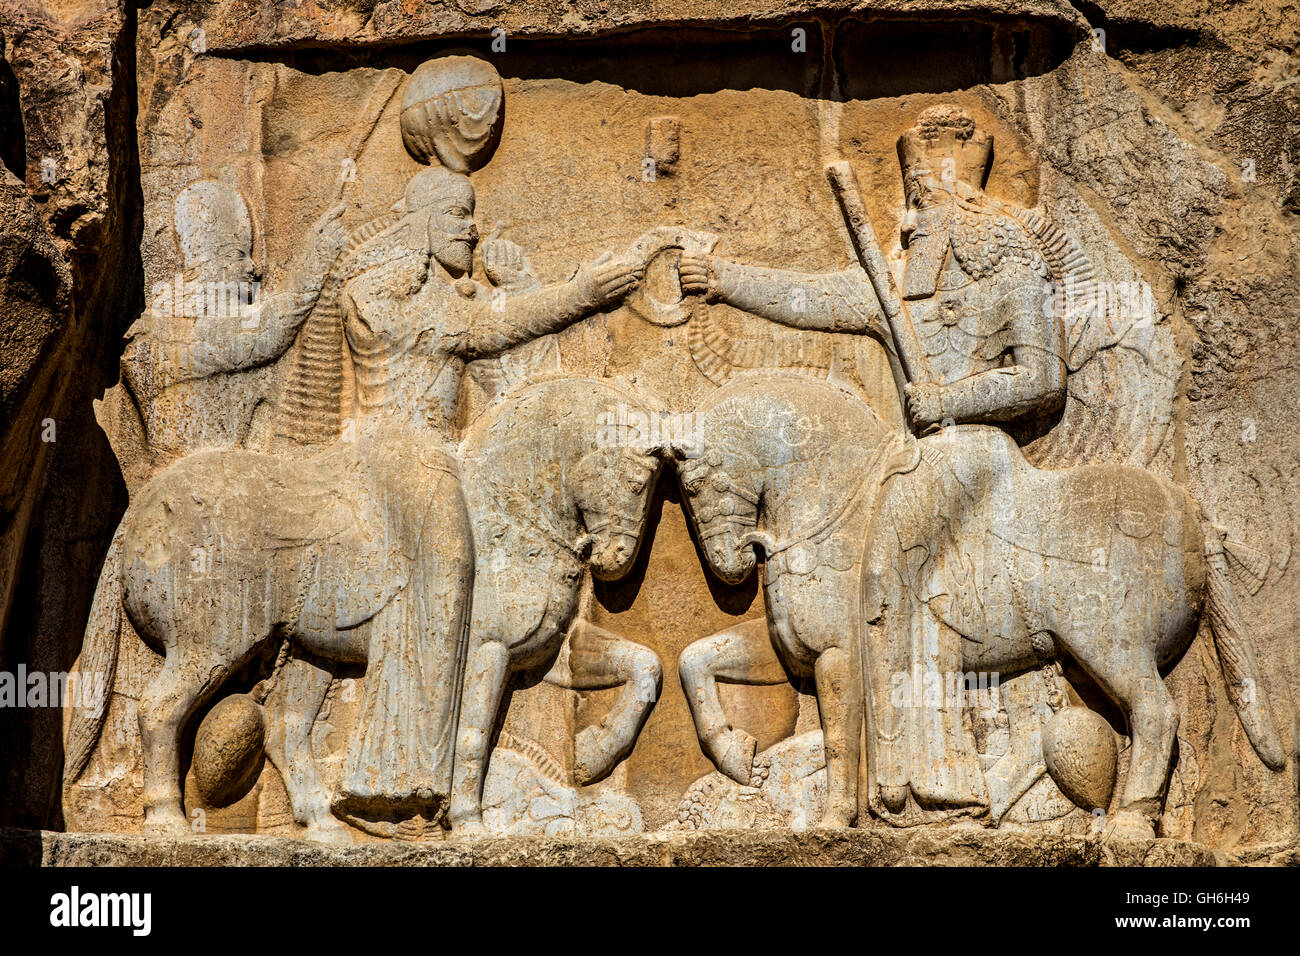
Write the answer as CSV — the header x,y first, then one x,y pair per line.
x,y
214,233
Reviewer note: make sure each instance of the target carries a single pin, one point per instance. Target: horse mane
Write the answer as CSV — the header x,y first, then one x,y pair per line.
x,y
801,395
490,488
506,404
763,379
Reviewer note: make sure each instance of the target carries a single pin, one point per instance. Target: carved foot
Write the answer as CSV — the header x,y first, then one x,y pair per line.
x,y
738,749
166,821
1129,825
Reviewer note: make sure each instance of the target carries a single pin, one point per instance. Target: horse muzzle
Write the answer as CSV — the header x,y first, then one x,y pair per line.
x,y
613,559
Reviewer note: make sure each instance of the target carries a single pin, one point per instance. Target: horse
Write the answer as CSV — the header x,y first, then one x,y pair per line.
x,y
1107,564
227,551
792,453
550,483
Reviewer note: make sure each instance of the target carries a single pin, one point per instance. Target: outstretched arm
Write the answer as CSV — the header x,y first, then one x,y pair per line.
x,y
831,302
482,328
260,332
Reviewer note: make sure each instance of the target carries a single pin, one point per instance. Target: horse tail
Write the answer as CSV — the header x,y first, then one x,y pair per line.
x,y
99,653
1237,657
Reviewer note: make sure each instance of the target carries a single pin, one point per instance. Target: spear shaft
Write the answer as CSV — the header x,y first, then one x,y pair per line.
x,y
911,357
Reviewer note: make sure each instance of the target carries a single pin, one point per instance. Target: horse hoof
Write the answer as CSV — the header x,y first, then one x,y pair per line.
x,y
1129,826
835,820
166,824
738,749
468,830
590,761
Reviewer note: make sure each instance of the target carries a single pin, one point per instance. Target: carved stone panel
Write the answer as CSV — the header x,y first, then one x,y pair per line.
x,y
589,432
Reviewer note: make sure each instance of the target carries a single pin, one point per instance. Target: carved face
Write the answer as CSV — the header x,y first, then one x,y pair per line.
x,y
229,261
725,510
214,233
612,488
926,234
452,233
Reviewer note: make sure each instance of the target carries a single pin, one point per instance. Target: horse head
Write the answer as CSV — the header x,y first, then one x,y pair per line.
x,y
723,487
611,487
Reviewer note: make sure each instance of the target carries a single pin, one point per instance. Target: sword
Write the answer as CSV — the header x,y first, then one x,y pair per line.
x,y
909,362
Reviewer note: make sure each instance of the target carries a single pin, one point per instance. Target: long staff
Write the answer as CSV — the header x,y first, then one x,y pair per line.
x,y
908,359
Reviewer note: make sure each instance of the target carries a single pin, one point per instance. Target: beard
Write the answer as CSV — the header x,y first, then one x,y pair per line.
x,y
926,253
456,256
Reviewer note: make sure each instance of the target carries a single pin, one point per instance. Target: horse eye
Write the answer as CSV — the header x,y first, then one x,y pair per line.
x,y
694,485
637,485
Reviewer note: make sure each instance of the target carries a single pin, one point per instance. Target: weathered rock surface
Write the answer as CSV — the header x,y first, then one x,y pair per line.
x,y
717,848
68,82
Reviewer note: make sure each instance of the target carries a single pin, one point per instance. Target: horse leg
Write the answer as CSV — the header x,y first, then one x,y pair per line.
x,y
596,659
486,673
1154,721
839,703
1133,682
182,686
291,711
743,654
1022,765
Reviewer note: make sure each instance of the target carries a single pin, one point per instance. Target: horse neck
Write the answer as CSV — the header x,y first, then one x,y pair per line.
x,y
805,498
512,509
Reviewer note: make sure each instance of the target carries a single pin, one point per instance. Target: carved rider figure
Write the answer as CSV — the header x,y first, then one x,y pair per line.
x,y
213,320
412,321
974,285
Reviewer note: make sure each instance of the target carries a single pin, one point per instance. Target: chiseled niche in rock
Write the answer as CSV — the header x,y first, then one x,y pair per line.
x,y
617,436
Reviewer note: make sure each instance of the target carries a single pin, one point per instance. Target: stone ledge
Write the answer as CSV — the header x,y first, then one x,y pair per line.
x,y
871,847
251,26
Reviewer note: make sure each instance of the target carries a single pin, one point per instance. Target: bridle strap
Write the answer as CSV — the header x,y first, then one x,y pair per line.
x,y
611,521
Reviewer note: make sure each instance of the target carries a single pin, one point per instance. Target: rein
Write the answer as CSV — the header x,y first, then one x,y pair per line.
x,y
620,523
869,477
722,523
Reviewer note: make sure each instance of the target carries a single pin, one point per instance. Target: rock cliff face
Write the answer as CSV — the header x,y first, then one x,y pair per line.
x,y
72,282
566,419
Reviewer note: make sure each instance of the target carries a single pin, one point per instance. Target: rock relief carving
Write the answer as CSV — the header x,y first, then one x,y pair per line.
x,y
1012,524
973,547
